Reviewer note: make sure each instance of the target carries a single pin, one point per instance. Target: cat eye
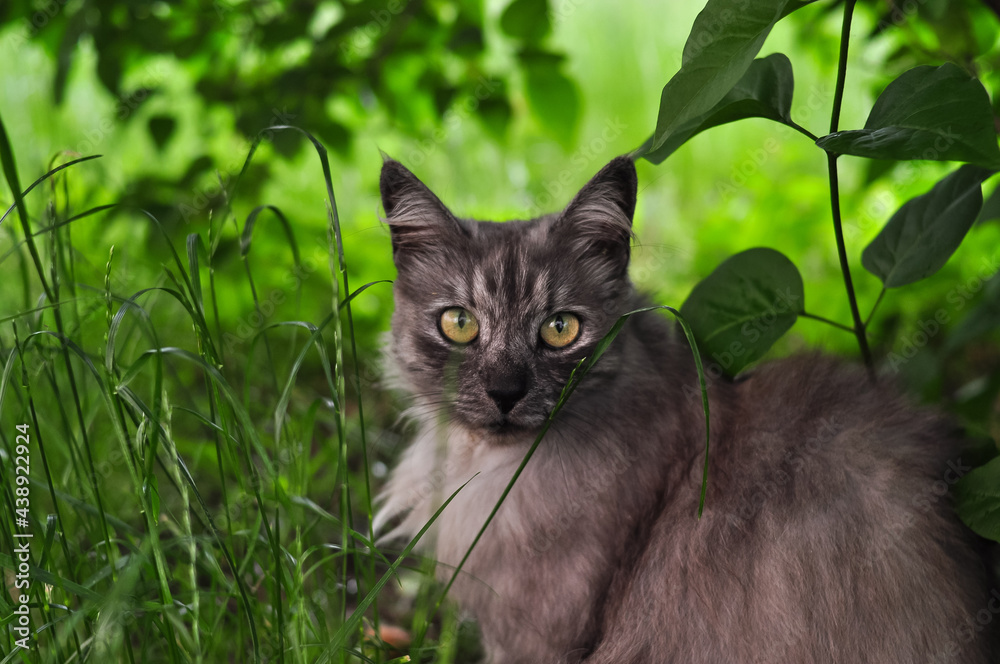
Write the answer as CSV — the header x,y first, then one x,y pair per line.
x,y
560,330
459,325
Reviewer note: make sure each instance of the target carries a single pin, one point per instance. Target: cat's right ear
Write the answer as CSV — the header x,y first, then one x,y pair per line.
x,y
598,221
418,221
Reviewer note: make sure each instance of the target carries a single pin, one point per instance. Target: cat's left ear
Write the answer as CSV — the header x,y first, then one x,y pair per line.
x,y
599,219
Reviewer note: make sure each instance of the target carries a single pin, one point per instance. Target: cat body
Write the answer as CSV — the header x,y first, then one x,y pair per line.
x,y
825,536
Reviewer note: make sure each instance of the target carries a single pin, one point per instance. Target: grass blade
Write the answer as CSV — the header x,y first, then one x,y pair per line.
x,y
351,624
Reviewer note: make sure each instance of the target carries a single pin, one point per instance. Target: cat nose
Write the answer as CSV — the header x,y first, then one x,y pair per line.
x,y
507,391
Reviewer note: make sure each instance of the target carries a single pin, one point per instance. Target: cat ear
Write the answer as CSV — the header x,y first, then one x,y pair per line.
x,y
418,220
599,219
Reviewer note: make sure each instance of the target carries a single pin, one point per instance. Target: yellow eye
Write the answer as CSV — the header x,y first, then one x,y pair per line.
x,y
459,325
560,330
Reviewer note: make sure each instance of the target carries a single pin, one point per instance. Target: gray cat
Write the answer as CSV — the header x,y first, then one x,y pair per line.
x,y
826,535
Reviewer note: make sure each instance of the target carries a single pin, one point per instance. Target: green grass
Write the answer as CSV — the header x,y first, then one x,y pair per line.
x,y
197,503
194,497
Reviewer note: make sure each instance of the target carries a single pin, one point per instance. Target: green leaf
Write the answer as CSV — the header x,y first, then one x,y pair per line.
x,y
725,38
765,91
991,207
794,5
977,499
939,113
923,234
527,20
744,306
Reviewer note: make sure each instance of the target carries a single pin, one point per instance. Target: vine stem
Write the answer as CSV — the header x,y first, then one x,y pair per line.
x,y
875,306
831,158
802,130
834,323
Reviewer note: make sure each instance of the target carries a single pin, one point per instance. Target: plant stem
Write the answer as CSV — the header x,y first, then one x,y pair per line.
x,y
827,321
845,39
802,130
875,306
838,230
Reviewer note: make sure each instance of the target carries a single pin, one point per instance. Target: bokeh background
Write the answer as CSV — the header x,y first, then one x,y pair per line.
x,y
504,109
502,118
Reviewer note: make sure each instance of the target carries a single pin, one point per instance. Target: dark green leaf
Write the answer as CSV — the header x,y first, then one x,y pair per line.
x,y
526,19
765,91
724,40
977,499
744,306
796,5
923,234
939,113
991,207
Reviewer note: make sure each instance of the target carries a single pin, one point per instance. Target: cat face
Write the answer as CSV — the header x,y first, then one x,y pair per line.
x,y
491,318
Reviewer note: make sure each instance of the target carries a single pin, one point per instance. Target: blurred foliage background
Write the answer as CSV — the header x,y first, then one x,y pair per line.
x,y
504,109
